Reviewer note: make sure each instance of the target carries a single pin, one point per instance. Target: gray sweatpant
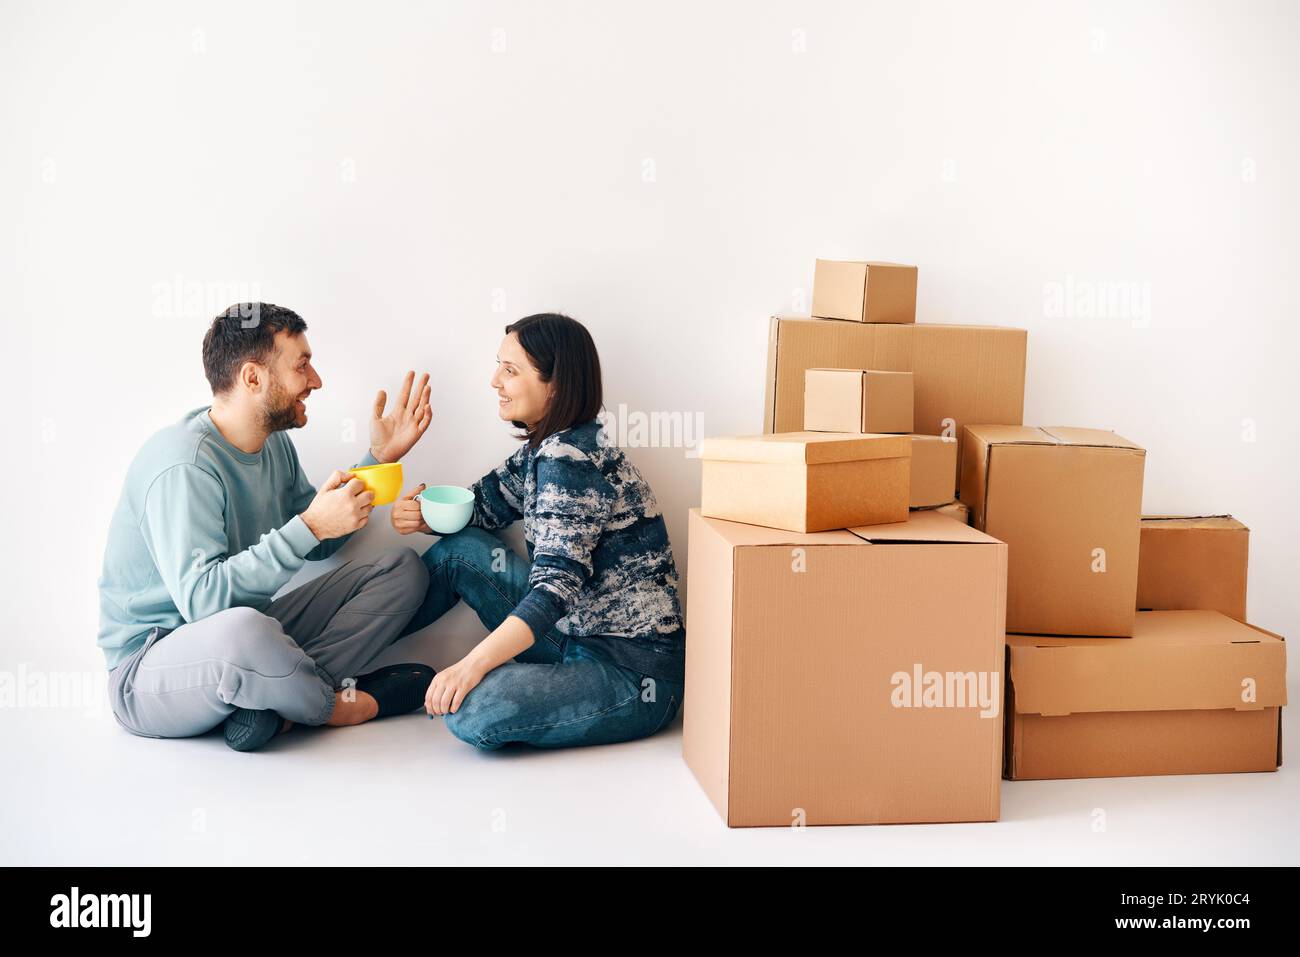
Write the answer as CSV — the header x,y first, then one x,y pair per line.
x,y
290,659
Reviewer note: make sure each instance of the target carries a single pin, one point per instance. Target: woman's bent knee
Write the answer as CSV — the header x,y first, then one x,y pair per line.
x,y
463,726
472,545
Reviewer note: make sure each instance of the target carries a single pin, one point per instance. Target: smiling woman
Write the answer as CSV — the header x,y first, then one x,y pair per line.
x,y
537,353
592,618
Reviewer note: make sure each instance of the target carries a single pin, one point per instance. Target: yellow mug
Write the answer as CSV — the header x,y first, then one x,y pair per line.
x,y
385,480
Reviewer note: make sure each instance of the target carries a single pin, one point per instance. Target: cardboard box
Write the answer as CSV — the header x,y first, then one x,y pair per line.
x,y
864,291
1191,562
960,374
1068,503
857,400
1192,692
804,655
806,481
934,470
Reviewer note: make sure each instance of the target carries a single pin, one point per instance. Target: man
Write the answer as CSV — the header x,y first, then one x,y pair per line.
x,y
215,517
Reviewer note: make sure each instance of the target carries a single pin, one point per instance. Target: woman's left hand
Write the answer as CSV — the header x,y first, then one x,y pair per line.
x,y
450,686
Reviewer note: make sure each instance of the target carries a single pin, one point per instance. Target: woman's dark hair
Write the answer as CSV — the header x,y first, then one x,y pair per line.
x,y
244,332
562,351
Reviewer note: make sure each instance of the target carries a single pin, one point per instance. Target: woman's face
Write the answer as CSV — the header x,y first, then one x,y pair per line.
x,y
521,393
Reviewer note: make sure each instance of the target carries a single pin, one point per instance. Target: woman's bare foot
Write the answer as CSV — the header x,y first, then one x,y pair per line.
x,y
360,709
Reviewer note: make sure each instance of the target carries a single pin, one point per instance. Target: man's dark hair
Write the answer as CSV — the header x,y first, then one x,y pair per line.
x,y
245,332
562,350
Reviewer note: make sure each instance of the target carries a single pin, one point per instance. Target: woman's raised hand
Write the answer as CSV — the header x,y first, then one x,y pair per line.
x,y
406,513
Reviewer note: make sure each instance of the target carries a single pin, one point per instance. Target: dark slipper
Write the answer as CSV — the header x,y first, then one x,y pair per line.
x,y
248,730
397,689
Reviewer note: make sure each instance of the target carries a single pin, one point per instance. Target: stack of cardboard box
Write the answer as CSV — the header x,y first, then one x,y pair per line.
x,y
864,318
858,653
1095,686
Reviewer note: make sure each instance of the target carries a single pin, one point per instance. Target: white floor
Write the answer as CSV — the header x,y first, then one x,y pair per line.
x,y
79,790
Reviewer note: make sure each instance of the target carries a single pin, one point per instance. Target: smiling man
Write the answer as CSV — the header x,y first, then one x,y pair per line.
x,y
214,518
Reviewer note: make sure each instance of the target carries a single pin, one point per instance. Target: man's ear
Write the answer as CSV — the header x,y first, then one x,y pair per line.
x,y
251,376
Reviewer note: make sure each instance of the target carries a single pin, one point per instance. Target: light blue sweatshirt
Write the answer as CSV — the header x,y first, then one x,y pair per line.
x,y
201,527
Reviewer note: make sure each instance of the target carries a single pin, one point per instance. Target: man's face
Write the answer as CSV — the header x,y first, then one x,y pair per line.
x,y
291,379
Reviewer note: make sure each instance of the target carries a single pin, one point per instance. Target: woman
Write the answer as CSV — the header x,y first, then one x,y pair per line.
x,y
592,619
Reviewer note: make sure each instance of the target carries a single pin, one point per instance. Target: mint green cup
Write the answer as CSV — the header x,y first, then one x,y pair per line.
x,y
446,508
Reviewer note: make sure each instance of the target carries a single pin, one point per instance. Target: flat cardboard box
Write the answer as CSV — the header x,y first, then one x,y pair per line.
x,y
806,481
1068,503
864,291
934,471
1190,562
803,657
960,374
857,400
1192,692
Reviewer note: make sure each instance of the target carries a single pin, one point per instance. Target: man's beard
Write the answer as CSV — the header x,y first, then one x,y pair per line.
x,y
279,413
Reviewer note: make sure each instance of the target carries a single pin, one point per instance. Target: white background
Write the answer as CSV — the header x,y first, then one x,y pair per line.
x,y
409,177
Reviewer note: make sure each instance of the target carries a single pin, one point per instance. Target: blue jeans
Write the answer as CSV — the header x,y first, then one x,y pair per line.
x,y
556,694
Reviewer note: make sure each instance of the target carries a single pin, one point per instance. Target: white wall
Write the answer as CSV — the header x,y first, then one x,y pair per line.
x,y
394,171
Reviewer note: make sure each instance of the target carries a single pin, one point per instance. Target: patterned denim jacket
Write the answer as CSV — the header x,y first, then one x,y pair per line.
x,y
602,562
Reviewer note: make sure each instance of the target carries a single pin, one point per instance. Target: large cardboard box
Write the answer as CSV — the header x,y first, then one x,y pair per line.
x,y
864,291
1192,692
857,400
827,684
960,374
1068,503
806,481
1191,562
934,470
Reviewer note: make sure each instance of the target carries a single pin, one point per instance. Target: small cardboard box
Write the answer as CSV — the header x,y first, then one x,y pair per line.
x,y
1191,562
1068,503
825,684
1192,692
857,400
806,481
864,291
960,374
934,470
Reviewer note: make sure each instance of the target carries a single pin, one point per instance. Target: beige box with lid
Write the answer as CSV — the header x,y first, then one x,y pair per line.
x,y
1191,692
806,481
